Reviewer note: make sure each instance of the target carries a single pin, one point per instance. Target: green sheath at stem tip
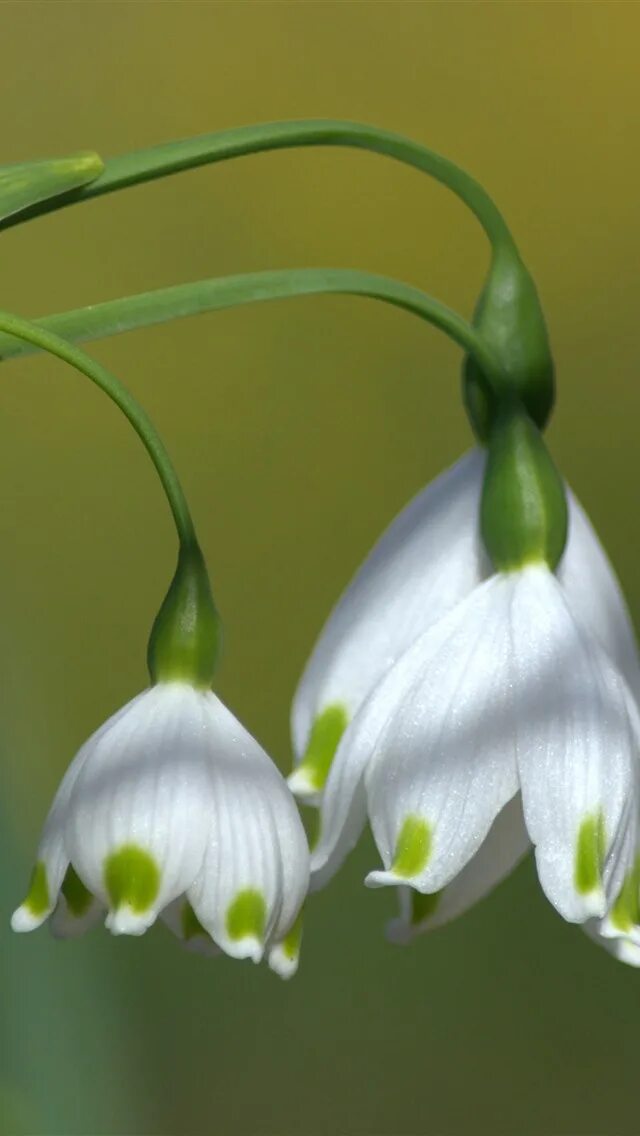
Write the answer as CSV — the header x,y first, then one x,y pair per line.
x,y
30,184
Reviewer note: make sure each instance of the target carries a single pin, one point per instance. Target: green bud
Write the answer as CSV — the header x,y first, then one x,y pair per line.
x,y
185,638
510,320
523,514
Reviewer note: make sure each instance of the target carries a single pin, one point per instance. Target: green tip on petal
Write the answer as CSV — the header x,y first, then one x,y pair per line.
x,y
590,851
625,912
291,943
326,733
37,900
284,956
78,897
413,847
247,916
132,878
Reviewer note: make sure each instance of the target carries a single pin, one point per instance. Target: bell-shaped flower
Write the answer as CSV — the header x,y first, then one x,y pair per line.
x,y
512,705
172,808
428,560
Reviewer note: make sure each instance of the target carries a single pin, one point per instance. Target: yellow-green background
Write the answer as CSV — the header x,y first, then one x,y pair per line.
x,y
299,430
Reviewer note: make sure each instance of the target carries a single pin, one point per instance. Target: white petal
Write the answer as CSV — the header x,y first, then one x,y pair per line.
x,y
428,559
622,948
140,806
52,859
504,847
343,811
576,750
284,956
256,868
444,764
594,594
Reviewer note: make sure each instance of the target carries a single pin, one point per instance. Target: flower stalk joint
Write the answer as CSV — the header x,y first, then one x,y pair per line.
x,y
523,512
509,319
185,639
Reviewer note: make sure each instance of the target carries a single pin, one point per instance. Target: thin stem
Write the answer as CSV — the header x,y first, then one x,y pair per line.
x,y
48,341
172,157
149,308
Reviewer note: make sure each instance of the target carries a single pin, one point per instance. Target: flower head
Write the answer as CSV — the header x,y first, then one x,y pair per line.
x,y
173,808
502,720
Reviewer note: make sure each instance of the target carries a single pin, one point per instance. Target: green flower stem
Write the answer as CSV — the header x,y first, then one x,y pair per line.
x,y
173,157
149,308
46,340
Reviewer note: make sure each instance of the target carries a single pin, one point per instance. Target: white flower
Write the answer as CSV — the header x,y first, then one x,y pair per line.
x,y
429,559
465,695
172,808
507,694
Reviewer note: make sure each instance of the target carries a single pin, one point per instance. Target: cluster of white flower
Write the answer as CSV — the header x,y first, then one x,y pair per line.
x,y
466,713
475,692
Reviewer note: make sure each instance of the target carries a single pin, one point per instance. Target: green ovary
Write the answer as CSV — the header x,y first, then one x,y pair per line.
x,y
291,942
78,897
326,733
37,900
413,847
590,851
131,877
247,915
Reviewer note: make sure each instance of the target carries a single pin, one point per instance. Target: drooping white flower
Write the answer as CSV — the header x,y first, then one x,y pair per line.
x,y
428,560
500,713
173,809
507,694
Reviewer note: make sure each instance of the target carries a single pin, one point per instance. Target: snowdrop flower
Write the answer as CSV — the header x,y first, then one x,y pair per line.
x,y
507,720
172,808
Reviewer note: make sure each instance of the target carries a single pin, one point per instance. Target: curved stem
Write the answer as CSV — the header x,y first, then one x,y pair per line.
x,y
172,157
149,308
48,341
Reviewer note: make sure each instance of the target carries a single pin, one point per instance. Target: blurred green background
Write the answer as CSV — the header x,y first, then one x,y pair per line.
x,y
299,429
